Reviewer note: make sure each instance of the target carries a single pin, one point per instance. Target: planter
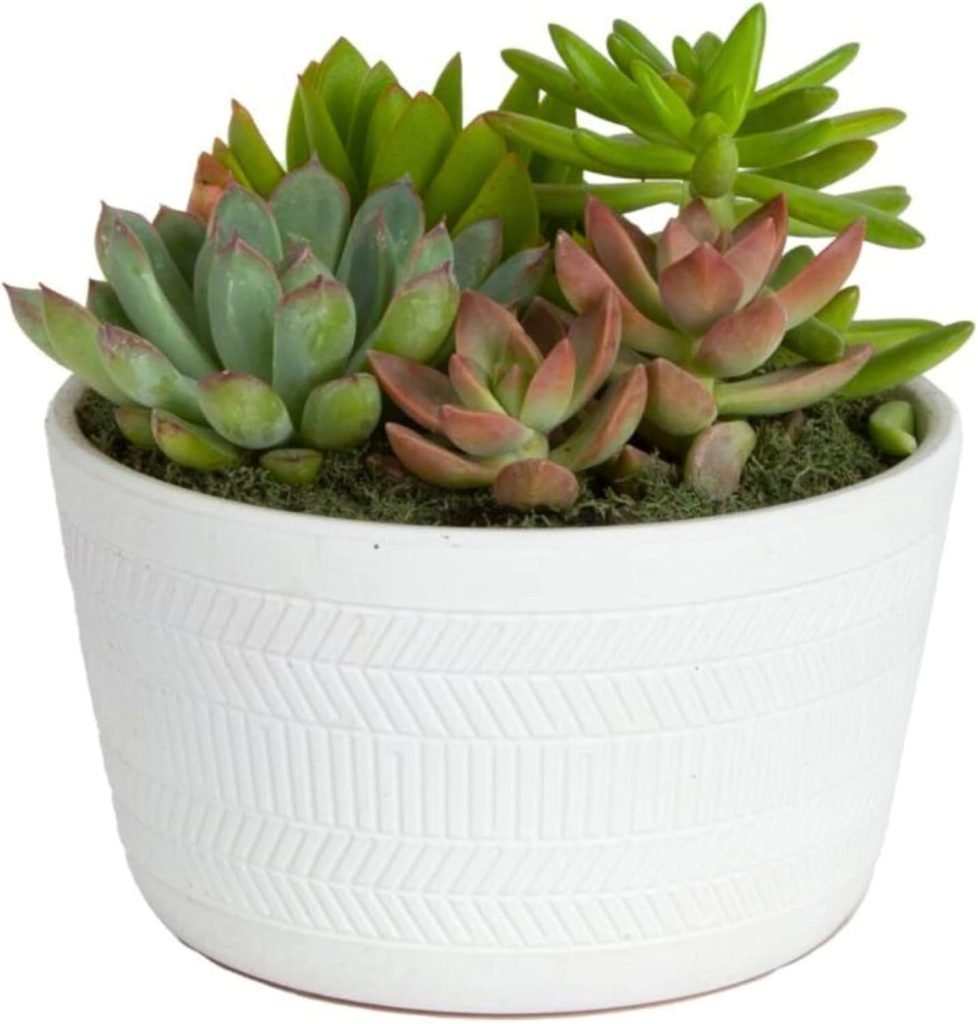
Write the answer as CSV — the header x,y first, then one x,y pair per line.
x,y
502,771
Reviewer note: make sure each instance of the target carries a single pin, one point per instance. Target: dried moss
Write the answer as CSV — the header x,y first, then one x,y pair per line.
x,y
796,458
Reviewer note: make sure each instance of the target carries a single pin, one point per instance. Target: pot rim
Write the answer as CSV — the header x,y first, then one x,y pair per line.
x,y
938,420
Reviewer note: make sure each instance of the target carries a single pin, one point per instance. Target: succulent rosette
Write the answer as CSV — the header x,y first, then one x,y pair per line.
x,y
251,335
698,312
510,416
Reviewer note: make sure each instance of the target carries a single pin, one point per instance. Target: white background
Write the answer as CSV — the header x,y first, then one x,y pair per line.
x,y
112,101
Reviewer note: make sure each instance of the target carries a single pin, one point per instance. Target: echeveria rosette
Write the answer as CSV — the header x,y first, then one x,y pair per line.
x,y
698,313
699,124
510,416
364,128
250,336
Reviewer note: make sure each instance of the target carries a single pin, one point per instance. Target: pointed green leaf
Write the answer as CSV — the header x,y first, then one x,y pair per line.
x,y
473,156
402,217
253,153
183,235
324,140
373,85
827,167
686,59
416,147
168,275
816,341
341,73
568,201
314,332
904,362
130,272
736,65
792,108
301,266
298,149
817,73
507,194
73,333
882,335
188,444
28,309
243,214
418,319
648,51
448,91
477,252
431,251
242,294
516,281
313,205
667,107
387,112
632,157
144,375
244,410
833,212
104,303
225,156
342,413
839,312
556,81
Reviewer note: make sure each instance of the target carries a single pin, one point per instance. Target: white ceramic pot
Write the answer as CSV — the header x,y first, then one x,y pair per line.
x,y
502,770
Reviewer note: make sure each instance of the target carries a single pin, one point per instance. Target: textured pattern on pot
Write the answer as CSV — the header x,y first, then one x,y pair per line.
x,y
484,770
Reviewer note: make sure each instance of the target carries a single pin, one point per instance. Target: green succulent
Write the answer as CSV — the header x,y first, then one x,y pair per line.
x,y
251,335
367,130
699,125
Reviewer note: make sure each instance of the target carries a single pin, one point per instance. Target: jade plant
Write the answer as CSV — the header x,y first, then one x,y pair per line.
x,y
700,125
251,335
367,130
510,417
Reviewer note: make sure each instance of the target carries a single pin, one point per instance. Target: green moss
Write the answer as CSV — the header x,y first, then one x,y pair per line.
x,y
800,457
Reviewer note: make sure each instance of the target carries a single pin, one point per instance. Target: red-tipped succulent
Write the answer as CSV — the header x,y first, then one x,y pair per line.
x,y
698,309
522,418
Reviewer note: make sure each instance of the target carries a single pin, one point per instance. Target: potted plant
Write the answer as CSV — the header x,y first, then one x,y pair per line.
x,y
568,690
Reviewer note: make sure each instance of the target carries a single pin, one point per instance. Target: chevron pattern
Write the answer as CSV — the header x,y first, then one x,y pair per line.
x,y
534,781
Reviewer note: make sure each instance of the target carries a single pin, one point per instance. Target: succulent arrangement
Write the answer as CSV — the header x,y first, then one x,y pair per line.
x,y
470,289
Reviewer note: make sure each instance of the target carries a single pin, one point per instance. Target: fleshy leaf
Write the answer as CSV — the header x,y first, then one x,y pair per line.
x,y
716,459
893,428
140,371
535,483
507,193
104,303
431,252
448,91
321,132
128,269
252,151
606,428
135,424
416,147
744,340
595,337
313,335
816,341
243,214
416,389
28,309
818,282
313,205
341,72
772,394
482,434
678,239
678,403
298,467
490,336
435,464
242,295
478,250
613,246
899,364
73,333
546,323
342,413
700,289
418,318
515,281
551,389
183,235
584,282
244,410
191,445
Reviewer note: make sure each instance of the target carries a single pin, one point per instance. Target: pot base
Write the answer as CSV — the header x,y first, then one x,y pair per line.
x,y
453,981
